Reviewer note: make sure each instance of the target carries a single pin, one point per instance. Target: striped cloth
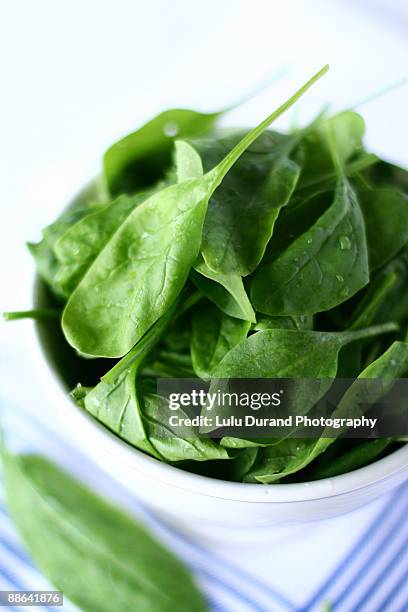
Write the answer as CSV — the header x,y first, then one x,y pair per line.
x,y
355,562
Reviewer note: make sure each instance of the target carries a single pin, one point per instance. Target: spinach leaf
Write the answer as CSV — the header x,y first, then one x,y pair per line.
x,y
386,221
361,455
322,268
227,291
167,441
213,335
291,455
80,244
78,539
243,210
347,129
117,406
284,353
144,266
44,251
130,408
141,158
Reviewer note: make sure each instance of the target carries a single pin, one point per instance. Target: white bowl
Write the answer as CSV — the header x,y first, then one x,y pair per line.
x,y
200,503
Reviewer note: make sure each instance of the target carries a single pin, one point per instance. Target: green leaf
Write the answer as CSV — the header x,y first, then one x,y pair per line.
x,y
117,406
141,158
322,268
188,162
44,251
80,244
386,221
292,455
214,334
227,291
284,353
357,457
130,408
144,266
139,273
243,210
168,442
347,129
79,540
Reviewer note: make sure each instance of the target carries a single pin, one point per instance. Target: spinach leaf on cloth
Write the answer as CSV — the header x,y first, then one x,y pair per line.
x,y
100,557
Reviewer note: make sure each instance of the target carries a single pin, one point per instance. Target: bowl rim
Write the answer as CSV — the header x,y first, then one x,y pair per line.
x,y
393,465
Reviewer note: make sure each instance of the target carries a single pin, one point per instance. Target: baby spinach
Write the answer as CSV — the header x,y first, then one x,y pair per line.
x,y
230,253
129,408
144,266
291,455
44,251
78,540
141,158
227,291
386,211
347,129
322,268
258,186
285,353
213,335
82,241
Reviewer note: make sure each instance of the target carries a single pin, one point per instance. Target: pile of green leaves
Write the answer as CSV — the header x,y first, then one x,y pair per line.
x,y
233,253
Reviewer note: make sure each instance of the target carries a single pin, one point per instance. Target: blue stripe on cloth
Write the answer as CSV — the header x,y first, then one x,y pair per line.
x,y
376,555
366,538
22,559
13,584
382,575
386,602
251,592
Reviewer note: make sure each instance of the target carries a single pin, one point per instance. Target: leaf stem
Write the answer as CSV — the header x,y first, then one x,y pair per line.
x,y
41,314
217,174
368,332
151,337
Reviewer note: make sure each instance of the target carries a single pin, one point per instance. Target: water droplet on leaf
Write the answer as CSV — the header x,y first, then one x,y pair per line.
x,y
170,129
344,242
